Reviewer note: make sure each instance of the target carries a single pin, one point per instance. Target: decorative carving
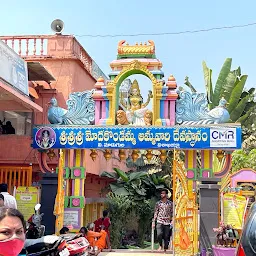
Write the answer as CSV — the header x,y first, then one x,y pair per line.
x,y
148,117
135,65
138,49
93,154
107,154
122,155
191,109
163,155
149,155
81,110
135,155
220,155
112,85
121,118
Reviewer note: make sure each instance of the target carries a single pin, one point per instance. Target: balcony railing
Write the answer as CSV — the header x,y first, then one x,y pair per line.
x,y
53,46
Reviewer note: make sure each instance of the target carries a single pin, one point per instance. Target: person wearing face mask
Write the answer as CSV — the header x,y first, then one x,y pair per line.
x,y
12,232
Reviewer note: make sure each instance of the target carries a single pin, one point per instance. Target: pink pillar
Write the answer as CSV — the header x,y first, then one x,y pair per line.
x,y
172,111
97,112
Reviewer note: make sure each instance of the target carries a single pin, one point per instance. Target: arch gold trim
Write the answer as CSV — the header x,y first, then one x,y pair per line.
x,y
135,67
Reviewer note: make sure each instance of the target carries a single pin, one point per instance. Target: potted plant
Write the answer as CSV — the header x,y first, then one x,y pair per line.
x,y
227,238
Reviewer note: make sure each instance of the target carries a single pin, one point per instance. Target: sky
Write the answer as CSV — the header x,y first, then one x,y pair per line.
x,y
181,55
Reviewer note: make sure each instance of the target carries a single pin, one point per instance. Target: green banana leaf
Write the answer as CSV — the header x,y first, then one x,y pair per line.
x,y
189,85
111,175
221,80
208,82
137,175
154,179
119,189
121,174
236,93
228,85
252,90
238,71
249,106
245,117
239,109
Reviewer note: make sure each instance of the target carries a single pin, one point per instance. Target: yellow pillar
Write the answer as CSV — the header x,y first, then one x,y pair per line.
x,y
59,201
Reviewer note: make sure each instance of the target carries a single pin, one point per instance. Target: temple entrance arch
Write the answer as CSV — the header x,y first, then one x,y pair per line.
x,y
92,127
134,68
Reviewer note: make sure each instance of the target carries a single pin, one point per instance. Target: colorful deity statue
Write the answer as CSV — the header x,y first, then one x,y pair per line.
x,y
136,113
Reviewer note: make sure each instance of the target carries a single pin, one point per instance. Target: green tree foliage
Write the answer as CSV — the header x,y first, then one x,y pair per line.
x,y
132,191
119,207
242,159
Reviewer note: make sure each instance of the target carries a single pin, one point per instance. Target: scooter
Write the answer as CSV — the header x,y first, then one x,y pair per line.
x,y
47,245
34,228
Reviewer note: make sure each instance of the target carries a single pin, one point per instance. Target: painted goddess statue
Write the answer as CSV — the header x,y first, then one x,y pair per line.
x,y
137,113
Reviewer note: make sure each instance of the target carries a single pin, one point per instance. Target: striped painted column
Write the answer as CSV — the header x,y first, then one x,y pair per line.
x,y
206,164
74,190
191,168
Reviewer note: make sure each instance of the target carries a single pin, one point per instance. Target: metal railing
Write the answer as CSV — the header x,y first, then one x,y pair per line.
x,y
16,176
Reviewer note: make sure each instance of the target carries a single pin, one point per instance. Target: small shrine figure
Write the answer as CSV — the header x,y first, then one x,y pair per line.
x,y
137,113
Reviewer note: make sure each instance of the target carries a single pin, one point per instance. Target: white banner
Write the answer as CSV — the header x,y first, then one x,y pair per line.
x,y
223,137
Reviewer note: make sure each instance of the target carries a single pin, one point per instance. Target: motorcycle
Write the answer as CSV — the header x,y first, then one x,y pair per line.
x,y
77,244
34,228
47,245
64,245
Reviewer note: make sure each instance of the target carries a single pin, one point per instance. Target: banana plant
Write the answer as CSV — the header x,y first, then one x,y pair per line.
x,y
139,185
230,85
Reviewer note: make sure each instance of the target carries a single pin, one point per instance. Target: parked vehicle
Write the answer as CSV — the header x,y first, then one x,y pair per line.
x,y
247,243
35,229
77,244
47,245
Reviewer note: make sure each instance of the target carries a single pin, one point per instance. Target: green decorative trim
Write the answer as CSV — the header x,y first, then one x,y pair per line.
x,y
194,171
206,169
123,56
66,201
112,77
66,174
76,202
77,172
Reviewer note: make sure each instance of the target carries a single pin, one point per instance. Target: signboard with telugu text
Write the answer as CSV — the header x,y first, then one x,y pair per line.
x,y
72,218
173,137
233,209
27,198
13,69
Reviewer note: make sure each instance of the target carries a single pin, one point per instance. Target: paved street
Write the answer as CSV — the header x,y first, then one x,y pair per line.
x,y
133,252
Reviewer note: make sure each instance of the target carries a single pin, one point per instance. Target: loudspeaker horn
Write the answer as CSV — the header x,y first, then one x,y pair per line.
x,y
57,26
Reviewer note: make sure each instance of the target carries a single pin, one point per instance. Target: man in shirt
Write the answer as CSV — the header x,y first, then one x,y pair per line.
x,y
162,219
9,200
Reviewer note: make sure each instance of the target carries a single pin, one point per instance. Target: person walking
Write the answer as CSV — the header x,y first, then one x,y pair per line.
x,y
162,220
9,200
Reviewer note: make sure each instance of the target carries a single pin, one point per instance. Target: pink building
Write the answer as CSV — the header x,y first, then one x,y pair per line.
x,y
59,65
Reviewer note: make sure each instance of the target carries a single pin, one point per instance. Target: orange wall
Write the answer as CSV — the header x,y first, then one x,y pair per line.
x,y
94,185
70,77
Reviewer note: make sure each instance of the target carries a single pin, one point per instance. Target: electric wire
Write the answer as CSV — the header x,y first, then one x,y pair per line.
x,y
173,33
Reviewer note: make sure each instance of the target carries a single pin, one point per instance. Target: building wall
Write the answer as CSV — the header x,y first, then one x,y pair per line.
x,y
71,76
